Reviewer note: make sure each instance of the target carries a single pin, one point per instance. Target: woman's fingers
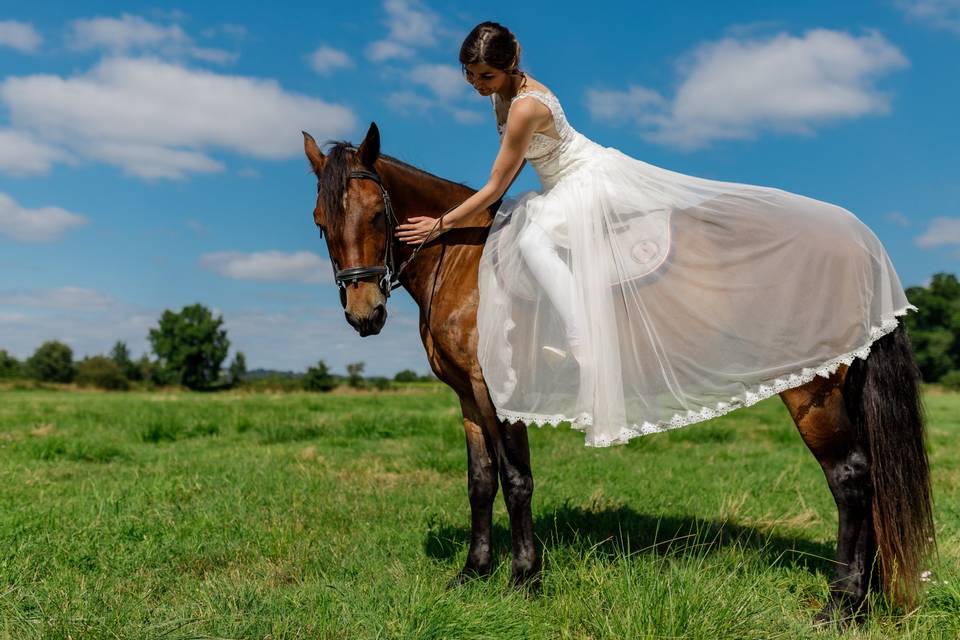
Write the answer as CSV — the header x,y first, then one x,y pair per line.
x,y
416,229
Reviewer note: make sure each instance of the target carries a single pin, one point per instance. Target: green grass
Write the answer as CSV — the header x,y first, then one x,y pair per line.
x,y
343,516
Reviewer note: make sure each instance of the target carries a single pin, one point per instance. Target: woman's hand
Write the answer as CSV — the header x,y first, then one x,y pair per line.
x,y
416,229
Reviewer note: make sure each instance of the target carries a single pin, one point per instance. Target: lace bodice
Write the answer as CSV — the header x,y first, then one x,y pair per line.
x,y
541,143
550,157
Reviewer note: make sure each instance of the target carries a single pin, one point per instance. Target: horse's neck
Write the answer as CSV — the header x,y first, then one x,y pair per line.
x,y
416,194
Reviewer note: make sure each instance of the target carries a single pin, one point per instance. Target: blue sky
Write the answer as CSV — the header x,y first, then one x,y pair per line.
x,y
150,154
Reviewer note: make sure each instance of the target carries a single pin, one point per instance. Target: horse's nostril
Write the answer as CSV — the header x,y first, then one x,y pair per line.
x,y
379,315
352,320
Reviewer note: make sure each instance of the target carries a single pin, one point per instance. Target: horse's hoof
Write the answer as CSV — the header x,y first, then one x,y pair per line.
x,y
527,581
836,616
466,575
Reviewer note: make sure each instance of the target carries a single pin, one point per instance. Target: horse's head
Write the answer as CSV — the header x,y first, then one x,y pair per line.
x,y
353,210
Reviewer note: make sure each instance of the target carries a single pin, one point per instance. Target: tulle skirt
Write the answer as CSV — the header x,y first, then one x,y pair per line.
x,y
693,297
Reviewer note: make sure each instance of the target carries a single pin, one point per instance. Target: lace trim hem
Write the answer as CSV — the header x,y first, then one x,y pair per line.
x,y
583,421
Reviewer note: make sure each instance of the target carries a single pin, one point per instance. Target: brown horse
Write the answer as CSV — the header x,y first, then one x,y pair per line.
x,y
864,424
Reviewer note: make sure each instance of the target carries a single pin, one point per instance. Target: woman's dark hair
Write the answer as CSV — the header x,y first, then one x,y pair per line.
x,y
493,44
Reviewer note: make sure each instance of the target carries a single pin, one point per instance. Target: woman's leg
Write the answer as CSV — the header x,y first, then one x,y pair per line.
x,y
553,274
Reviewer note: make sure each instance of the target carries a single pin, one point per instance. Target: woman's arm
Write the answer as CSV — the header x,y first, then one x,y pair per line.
x,y
523,120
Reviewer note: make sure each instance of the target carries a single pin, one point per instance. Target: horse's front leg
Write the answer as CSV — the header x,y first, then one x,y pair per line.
x,y
482,490
513,460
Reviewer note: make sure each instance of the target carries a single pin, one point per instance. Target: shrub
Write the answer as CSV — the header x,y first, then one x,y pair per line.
x,y
103,373
380,383
51,362
9,366
121,355
407,375
951,380
238,369
318,378
355,374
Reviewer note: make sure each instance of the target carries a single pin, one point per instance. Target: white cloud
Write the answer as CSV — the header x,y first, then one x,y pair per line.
x,y
386,50
156,119
635,102
20,36
269,266
21,154
77,298
447,85
937,14
409,103
941,231
45,224
131,33
898,218
410,24
152,161
734,89
446,81
325,60
466,116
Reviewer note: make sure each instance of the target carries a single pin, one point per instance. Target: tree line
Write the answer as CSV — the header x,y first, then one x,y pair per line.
x,y
190,347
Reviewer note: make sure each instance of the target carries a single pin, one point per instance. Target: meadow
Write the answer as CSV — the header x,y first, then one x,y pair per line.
x,y
343,515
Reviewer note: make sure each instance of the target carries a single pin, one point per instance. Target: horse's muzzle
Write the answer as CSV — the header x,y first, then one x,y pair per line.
x,y
371,324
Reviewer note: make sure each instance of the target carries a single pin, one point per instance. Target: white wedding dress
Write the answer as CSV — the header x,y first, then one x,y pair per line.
x,y
691,297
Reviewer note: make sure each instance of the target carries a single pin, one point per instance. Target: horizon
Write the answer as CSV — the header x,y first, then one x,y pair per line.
x,y
153,159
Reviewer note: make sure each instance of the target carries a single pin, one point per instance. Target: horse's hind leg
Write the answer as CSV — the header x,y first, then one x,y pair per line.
x,y
517,479
818,410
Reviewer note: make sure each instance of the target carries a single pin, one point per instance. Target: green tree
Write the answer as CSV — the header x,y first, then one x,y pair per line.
x,y
102,372
51,362
9,366
318,378
238,369
381,383
355,374
190,347
120,354
934,327
145,370
407,375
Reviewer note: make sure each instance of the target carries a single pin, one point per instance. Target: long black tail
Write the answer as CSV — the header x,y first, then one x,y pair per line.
x,y
883,399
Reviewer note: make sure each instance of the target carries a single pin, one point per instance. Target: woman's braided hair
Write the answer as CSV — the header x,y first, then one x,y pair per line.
x,y
493,44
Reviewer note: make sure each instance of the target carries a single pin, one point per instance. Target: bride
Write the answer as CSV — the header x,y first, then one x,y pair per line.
x,y
628,299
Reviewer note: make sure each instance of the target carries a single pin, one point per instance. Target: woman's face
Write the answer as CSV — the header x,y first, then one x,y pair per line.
x,y
485,79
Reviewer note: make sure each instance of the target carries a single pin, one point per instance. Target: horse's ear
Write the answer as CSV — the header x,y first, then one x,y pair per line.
x,y
369,149
314,155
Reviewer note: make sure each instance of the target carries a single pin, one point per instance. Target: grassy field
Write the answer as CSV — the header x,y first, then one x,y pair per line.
x,y
343,516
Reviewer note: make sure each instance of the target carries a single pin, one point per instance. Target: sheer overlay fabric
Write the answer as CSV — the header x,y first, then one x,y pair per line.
x,y
628,299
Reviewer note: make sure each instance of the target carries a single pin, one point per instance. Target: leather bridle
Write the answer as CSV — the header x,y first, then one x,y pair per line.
x,y
387,274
